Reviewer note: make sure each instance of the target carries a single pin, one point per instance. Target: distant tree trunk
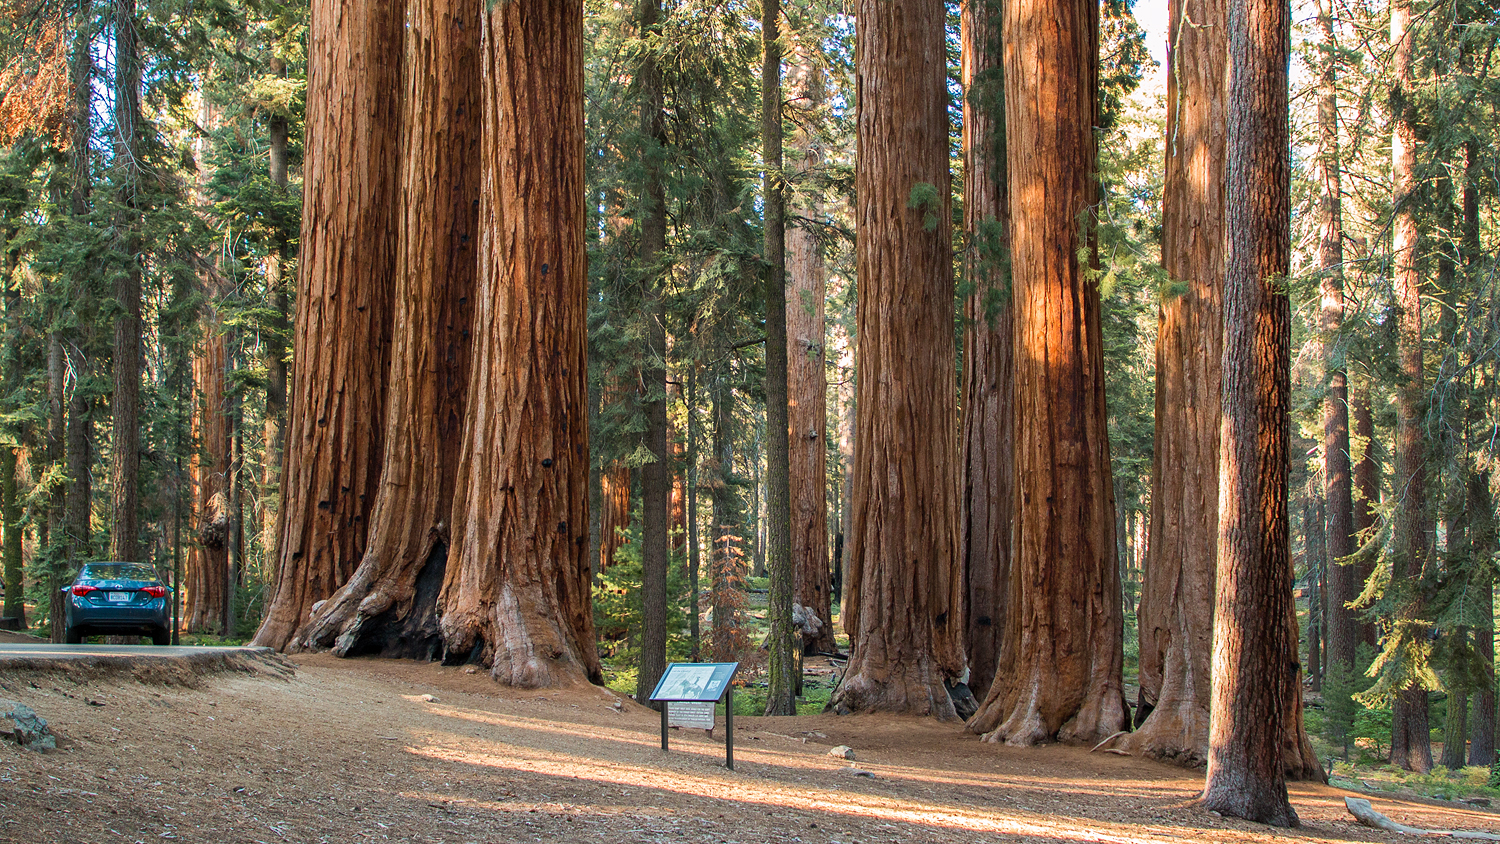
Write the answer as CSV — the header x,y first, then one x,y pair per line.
x,y
1480,505
389,606
1410,742
1255,675
1366,496
615,485
125,450
273,344
1176,614
849,407
518,590
208,468
1065,682
987,483
905,602
1315,549
807,387
1343,585
57,426
1482,542
10,541
782,663
1456,725
695,635
656,476
342,336
727,558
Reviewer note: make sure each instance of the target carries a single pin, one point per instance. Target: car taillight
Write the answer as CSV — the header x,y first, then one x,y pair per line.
x,y
156,591
81,590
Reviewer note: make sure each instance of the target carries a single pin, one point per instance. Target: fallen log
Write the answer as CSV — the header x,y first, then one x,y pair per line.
x,y
1366,814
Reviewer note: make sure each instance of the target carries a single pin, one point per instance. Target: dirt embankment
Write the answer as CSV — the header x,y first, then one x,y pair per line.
x,y
365,750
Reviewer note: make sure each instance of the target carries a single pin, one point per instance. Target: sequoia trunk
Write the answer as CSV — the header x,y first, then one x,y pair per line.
x,y
1065,681
345,279
517,593
389,605
905,602
1176,616
987,485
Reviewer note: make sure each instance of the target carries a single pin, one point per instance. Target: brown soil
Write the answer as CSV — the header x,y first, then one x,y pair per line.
x,y
350,751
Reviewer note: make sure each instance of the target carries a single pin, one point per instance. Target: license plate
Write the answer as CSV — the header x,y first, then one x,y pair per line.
x,y
119,597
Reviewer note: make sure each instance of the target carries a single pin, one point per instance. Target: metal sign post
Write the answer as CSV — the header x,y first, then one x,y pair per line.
x,y
698,683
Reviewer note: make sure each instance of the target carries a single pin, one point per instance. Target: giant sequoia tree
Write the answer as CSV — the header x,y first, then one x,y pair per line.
x,y
903,609
1176,610
343,321
1065,681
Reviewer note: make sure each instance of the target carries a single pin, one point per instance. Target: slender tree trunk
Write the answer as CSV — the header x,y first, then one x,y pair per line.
x,y
1065,681
1175,620
1482,539
1480,506
1410,743
905,602
342,336
987,484
273,344
1366,497
1343,623
807,387
849,407
1456,725
1255,675
656,476
389,606
1315,550
695,634
125,466
782,666
57,425
10,539
727,559
518,590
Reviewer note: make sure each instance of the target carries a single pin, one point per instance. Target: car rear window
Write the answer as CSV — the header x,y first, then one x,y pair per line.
x,y
119,571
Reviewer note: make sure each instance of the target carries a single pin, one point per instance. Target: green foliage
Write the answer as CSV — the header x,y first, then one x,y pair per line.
x,y
925,197
1341,709
618,609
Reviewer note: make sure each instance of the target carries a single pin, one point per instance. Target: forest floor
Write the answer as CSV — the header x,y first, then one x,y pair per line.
x,y
373,750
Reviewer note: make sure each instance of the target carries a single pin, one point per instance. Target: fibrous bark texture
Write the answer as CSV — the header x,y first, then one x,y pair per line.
x,y
517,591
905,602
389,605
1065,681
125,454
208,557
807,386
1255,673
987,482
345,278
1176,616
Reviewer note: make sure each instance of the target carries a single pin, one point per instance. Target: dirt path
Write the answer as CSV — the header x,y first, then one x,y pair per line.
x,y
350,751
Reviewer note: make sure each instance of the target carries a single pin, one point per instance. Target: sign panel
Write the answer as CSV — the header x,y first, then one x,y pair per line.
x,y
698,715
700,681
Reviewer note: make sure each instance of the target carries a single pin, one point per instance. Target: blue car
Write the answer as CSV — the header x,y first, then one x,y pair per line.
x,y
118,599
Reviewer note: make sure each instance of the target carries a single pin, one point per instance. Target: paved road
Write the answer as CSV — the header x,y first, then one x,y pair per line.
x,y
10,652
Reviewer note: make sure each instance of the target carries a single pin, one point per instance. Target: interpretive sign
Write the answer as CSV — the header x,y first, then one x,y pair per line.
x,y
687,692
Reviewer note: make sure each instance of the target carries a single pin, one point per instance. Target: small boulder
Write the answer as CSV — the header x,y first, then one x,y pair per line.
x,y
843,751
430,698
20,724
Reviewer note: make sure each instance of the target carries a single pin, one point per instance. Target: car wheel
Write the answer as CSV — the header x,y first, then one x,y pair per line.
x,y
74,635
161,636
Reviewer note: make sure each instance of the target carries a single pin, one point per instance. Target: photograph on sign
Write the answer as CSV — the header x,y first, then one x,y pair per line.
x,y
694,681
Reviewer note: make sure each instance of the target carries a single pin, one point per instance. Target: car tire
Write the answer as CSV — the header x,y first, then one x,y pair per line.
x,y
161,637
74,636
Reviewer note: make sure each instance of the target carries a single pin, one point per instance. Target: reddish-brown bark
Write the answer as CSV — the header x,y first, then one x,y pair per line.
x,y
208,556
389,605
905,601
1175,618
345,279
517,591
1065,681
987,482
